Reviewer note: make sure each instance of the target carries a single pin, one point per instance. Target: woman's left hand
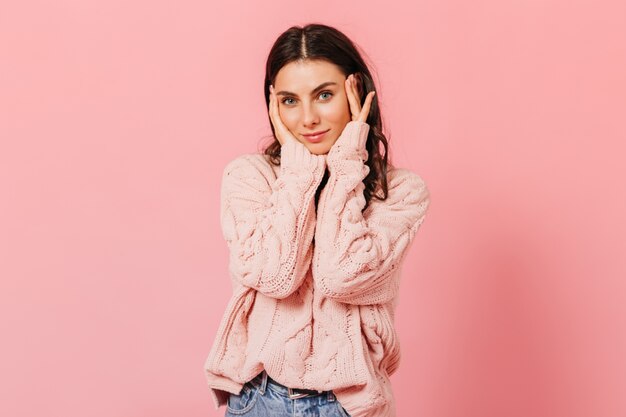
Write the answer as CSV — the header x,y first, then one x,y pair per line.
x,y
352,92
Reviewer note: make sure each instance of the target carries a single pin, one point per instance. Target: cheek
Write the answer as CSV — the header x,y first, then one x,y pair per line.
x,y
337,111
289,117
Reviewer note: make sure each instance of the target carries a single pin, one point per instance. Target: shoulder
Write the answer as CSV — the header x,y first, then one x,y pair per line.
x,y
249,166
405,181
406,193
407,202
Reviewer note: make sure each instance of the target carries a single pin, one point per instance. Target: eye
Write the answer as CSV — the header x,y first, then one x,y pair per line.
x,y
285,100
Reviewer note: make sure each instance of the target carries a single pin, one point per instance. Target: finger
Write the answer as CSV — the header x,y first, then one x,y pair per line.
x,y
355,91
271,108
282,131
273,112
366,107
355,109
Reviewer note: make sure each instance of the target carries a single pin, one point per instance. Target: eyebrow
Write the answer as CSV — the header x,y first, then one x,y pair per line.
x,y
319,87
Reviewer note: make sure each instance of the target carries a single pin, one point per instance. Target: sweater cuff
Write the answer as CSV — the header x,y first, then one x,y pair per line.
x,y
351,144
296,157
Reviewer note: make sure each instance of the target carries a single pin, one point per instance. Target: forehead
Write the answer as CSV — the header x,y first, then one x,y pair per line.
x,y
306,75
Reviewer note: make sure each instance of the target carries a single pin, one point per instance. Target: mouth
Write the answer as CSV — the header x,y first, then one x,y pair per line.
x,y
316,136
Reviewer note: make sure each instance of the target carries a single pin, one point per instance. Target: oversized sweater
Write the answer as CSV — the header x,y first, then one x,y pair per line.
x,y
314,287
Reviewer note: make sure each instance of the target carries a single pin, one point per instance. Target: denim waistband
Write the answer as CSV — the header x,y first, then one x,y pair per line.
x,y
263,380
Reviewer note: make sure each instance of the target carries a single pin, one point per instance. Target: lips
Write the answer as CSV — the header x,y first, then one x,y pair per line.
x,y
316,136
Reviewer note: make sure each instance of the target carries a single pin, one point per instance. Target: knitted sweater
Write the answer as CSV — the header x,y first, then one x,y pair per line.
x,y
314,288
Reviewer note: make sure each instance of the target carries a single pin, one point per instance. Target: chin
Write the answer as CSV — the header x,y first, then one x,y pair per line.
x,y
318,152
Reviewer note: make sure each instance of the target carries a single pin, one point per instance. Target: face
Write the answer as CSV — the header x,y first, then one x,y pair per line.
x,y
311,98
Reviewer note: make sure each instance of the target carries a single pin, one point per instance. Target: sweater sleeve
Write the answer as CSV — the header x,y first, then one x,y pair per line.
x,y
268,223
357,253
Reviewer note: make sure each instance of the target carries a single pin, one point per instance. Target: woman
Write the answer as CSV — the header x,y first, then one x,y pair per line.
x,y
317,229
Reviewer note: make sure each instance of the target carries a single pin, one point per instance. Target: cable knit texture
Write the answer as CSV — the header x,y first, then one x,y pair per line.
x,y
314,293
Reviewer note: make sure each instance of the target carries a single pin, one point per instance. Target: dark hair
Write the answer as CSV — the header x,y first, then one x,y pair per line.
x,y
322,42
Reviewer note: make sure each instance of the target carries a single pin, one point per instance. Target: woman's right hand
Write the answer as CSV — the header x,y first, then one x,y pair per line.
x,y
280,130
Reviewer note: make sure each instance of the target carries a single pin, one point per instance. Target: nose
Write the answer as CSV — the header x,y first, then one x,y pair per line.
x,y
310,117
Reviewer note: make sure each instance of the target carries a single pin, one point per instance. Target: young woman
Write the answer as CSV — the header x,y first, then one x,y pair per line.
x,y
317,227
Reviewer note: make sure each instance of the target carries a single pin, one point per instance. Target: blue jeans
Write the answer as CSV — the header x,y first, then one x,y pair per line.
x,y
264,397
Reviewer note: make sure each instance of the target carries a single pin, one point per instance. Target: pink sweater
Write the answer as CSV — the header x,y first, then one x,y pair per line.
x,y
314,293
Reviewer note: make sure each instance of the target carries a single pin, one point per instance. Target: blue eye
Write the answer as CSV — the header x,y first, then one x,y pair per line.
x,y
284,101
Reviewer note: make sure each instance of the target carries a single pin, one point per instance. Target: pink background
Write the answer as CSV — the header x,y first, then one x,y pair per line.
x,y
117,118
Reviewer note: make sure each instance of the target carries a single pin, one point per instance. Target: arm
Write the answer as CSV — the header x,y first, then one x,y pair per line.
x,y
269,226
357,254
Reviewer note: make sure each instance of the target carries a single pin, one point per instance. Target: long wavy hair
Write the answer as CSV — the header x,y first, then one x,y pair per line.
x,y
322,42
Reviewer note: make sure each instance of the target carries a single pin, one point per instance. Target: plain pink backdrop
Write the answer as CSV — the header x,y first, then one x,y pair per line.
x,y
117,118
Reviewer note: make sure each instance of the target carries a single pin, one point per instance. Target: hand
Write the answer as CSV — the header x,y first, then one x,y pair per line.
x,y
280,130
358,113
